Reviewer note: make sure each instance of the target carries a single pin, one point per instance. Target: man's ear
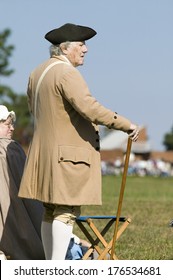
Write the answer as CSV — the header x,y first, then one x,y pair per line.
x,y
63,48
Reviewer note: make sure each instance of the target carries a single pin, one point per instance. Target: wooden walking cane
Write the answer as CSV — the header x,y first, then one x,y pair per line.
x,y
129,144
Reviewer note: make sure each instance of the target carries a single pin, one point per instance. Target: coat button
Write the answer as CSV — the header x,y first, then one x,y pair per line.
x,y
61,158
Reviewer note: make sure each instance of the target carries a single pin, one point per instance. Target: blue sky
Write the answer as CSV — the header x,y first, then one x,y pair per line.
x,y
129,65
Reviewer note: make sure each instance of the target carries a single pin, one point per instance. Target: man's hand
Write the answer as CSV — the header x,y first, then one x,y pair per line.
x,y
133,132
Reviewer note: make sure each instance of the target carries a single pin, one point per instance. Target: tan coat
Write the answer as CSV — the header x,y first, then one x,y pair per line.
x,y
63,163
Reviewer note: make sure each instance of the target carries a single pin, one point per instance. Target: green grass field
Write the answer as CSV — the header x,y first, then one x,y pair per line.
x,y
148,201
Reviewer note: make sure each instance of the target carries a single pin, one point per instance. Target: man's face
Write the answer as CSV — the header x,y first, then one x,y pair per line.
x,y
75,53
6,128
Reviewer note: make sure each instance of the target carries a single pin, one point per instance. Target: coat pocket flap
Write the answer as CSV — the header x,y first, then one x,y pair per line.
x,y
74,154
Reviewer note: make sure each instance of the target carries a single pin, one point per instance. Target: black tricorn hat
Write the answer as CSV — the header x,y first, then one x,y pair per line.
x,y
70,32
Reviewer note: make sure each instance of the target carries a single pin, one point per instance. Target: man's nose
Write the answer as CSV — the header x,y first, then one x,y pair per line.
x,y
85,49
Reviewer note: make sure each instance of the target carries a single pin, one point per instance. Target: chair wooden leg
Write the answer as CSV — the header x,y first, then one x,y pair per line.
x,y
102,253
120,231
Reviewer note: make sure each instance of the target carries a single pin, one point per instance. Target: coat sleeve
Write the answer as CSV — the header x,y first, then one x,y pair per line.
x,y
75,90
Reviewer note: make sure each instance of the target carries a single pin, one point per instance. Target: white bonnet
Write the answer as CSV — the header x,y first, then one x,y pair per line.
x,y
4,113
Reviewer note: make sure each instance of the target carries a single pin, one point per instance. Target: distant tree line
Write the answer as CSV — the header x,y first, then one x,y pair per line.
x,y
18,102
168,140
14,101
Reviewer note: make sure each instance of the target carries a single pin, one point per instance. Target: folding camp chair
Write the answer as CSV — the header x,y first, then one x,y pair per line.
x,y
104,249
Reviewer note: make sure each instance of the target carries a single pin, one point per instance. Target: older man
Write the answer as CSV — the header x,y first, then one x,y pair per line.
x,y
63,165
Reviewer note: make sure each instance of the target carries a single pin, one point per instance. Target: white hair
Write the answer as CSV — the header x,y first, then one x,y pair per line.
x,y
57,50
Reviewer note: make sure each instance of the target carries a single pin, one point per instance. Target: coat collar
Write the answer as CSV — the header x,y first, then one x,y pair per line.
x,y
62,58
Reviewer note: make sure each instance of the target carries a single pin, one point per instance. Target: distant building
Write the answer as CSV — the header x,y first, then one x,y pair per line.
x,y
114,145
